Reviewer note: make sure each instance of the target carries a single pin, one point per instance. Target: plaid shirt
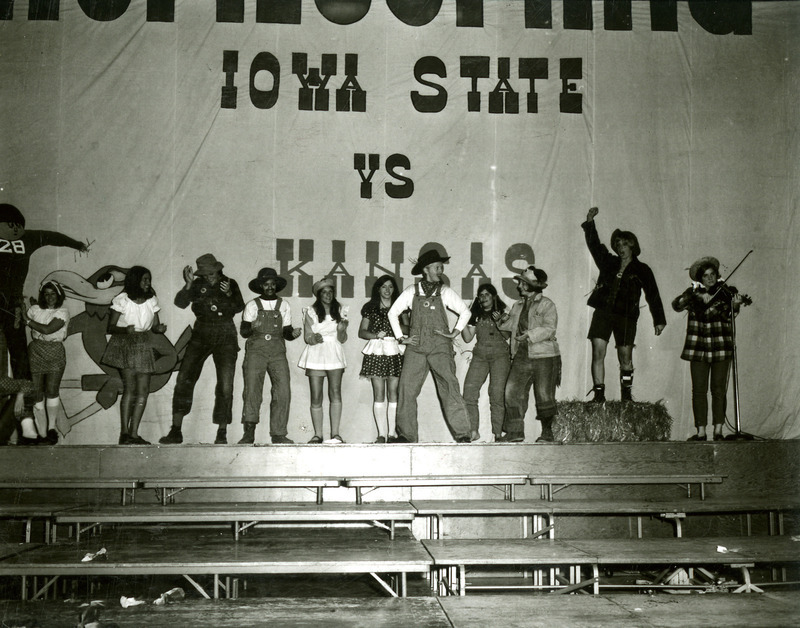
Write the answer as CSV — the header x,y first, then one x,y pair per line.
x,y
709,332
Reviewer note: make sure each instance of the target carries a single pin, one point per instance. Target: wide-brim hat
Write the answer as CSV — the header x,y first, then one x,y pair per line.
x,y
533,276
428,257
263,275
207,265
702,264
625,235
323,283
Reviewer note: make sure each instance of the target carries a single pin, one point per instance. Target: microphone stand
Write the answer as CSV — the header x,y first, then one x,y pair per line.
x,y
738,434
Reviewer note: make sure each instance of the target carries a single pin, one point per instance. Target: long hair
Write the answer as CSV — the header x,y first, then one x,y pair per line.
x,y
477,312
132,281
319,309
374,302
52,285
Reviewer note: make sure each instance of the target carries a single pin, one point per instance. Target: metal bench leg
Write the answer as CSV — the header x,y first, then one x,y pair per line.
x,y
358,495
747,587
319,495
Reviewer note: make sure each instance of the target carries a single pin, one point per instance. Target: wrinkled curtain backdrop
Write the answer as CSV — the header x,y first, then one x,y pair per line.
x,y
342,137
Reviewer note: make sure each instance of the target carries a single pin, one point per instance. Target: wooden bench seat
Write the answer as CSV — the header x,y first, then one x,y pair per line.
x,y
452,557
171,486
547,482
192,554
79,483
507,481
674,510
46,511
241,515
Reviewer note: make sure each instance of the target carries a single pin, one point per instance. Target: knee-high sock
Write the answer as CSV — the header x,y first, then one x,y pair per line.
x,y
336,417
379,413
28,427
53,408
316,420
40,416
391,416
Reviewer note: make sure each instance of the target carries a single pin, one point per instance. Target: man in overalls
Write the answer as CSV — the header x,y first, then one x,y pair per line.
x,y
429,346
267,324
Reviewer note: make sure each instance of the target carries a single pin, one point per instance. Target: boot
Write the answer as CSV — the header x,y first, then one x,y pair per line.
x,y
222,435
175,436
249,436
599,391
547,431
626,385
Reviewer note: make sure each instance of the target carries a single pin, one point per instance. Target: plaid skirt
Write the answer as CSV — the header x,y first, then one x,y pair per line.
x,y
130,351
47,356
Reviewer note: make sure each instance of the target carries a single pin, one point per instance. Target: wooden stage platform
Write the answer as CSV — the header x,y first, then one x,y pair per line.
x,y
220,516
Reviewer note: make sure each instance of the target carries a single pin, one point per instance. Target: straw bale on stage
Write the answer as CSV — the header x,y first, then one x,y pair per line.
x,y
611,422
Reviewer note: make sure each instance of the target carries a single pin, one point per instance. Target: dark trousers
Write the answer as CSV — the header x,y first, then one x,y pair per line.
x,y
219,342
544,374
717,372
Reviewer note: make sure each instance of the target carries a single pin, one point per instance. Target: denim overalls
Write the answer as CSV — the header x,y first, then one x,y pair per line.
x,y
433,352
490,357
265,352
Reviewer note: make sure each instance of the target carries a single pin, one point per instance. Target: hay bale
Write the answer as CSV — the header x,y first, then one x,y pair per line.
x,y
612,421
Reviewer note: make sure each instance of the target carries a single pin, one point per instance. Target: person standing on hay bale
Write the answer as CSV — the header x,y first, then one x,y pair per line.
x,y
615,300
709,344
429,347
536,359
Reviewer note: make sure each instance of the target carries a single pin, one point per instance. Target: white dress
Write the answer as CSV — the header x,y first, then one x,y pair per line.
x,y
327,355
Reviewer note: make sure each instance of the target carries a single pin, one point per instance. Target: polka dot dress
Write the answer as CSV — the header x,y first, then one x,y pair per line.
x,y
382,358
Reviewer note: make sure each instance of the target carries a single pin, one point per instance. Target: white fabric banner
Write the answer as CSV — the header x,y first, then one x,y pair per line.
x,y
342,137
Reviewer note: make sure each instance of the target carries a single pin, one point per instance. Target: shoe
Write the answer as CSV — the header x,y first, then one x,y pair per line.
x,y
334,440
27,442
222,436
626,395
316,440
381,440
124,439
512,437
249,436
138,440
475,435
464,439
282,440
175,437
51,438
398,439
599,391
719,437
546,438
697,437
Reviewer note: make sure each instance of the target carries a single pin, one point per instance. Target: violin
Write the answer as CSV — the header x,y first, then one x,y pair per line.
x,y
727,292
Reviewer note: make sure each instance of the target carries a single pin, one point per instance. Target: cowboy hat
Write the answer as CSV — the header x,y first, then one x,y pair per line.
x,y
263,275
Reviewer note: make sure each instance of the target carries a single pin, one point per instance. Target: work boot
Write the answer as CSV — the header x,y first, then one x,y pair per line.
x,y
512,437
222,435
249,436
599,391
282,440
626,385
547,431
175,437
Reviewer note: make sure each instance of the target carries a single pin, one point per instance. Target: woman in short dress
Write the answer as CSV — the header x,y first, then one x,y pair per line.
x,y
133,314
48,321
325,330
383,355
490,358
